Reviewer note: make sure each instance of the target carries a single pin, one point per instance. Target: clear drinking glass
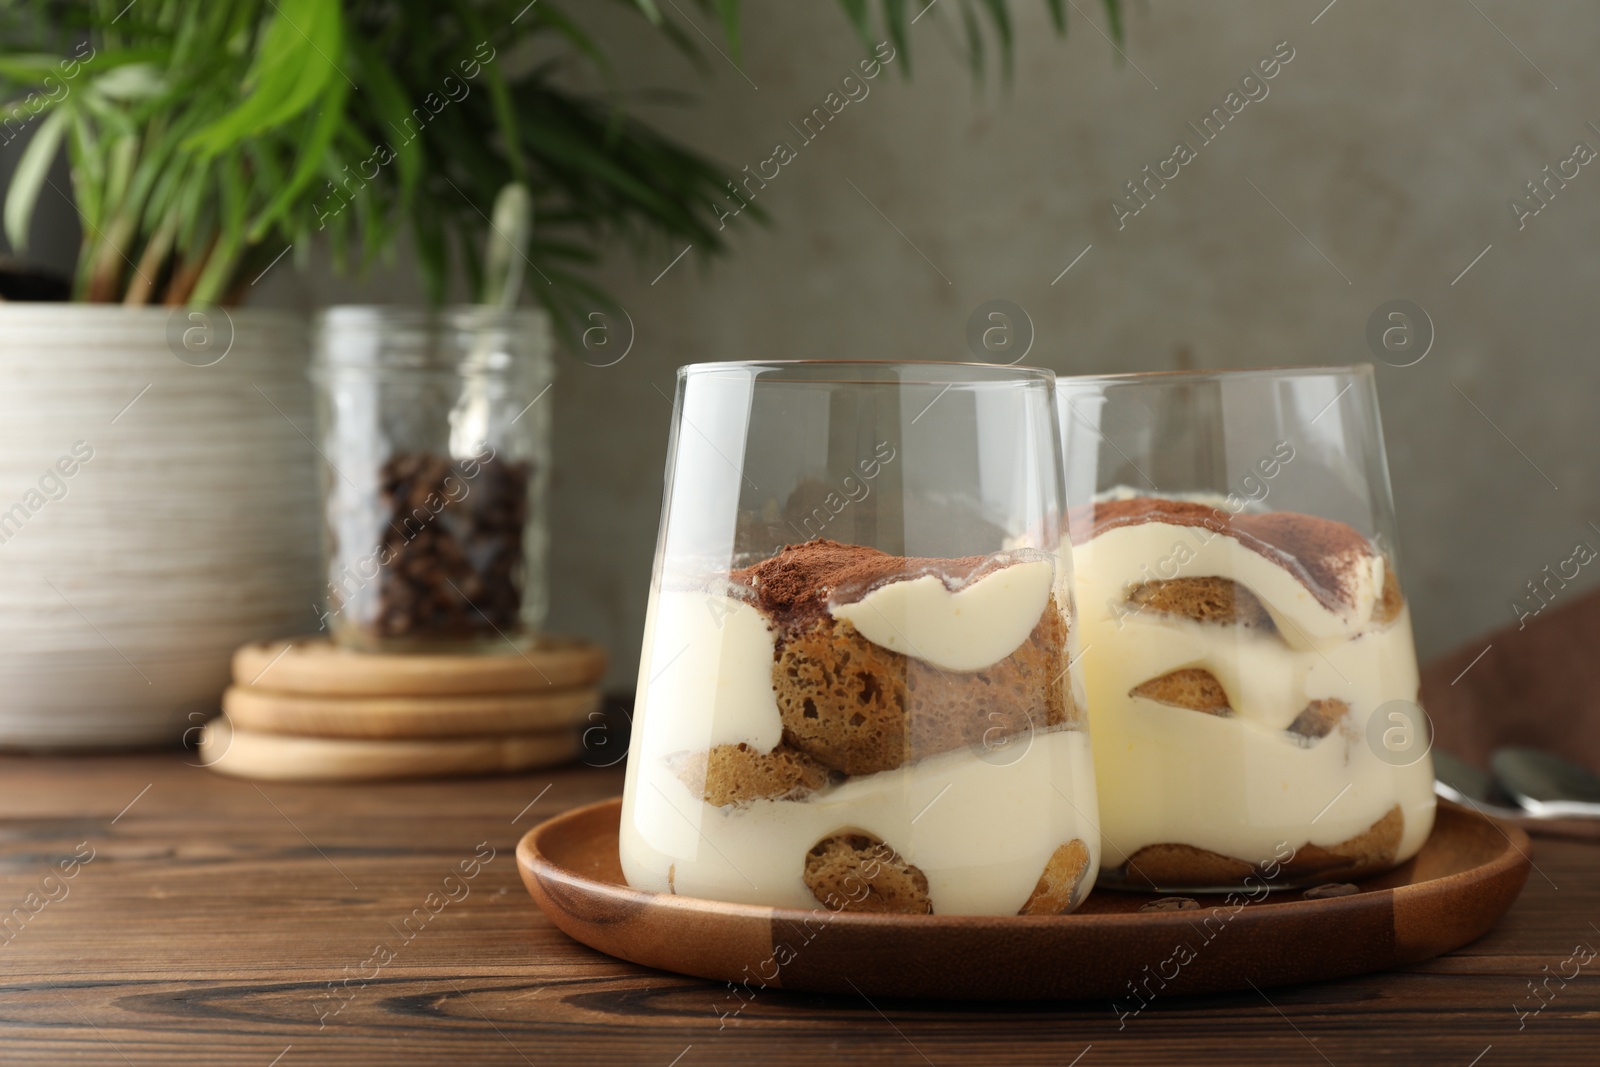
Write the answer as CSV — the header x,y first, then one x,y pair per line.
x,y
854,690
438,455
1247,650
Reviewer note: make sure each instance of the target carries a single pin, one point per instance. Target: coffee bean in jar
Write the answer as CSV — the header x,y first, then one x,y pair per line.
x,y
437,461
449,540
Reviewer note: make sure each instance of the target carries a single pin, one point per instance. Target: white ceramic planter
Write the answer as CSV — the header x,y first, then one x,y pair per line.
x,y
187,525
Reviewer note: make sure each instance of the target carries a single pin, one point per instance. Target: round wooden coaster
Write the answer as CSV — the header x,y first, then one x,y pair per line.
x,y
316,666
267,712
274,757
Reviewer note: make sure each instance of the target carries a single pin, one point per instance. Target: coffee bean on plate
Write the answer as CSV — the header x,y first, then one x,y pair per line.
x,y
1331,890
1172,904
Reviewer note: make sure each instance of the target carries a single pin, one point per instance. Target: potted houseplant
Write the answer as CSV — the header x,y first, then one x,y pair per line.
x,y
160,432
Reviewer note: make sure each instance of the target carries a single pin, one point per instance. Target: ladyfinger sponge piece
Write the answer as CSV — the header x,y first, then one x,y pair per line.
x,y
1175,866
857,872
1319,718
1190,687
860,708
1220,600
737,774
1390,603
1058,885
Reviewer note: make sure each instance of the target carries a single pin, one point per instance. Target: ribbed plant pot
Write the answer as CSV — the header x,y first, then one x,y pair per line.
x,y
158,507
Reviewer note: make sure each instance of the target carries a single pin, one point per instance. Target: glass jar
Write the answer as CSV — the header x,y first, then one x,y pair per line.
x,y
435,430
854,691
1252,681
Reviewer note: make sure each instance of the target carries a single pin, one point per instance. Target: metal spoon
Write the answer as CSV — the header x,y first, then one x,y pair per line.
x,y
1471,788
1546,785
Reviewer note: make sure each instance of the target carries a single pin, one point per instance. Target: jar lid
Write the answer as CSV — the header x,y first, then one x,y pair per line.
x,y
458,339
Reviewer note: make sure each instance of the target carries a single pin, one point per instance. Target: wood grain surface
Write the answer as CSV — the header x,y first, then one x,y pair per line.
x,y
214,921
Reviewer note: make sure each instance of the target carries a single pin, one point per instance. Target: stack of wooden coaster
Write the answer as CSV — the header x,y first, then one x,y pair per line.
x,y
307,710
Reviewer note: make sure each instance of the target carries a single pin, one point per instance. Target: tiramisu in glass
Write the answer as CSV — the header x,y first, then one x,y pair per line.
x,y
855,692
1252,682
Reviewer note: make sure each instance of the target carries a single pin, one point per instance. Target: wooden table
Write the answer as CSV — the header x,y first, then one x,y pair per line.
x,y
219,922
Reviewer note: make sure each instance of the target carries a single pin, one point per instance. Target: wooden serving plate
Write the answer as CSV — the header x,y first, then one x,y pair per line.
x,y
1466,876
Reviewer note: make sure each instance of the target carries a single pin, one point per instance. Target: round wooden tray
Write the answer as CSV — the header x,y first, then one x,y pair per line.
x,y
267,712
315,666
1452,892
281,758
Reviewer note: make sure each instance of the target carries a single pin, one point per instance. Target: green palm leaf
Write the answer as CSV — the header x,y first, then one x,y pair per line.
x,y
28,179
205,137
294,63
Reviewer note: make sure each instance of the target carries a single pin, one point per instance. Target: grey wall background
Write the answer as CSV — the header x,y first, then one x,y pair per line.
x,y
1382,161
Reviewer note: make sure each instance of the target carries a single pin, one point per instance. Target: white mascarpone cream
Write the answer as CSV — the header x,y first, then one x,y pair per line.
x,y
968,629
1239,785
706,672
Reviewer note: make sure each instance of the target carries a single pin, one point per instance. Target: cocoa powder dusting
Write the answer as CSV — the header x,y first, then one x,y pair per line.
x,y
1321,553
794,586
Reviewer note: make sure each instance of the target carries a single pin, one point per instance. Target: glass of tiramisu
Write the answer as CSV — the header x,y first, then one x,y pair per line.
x,y
855,688
1246,646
